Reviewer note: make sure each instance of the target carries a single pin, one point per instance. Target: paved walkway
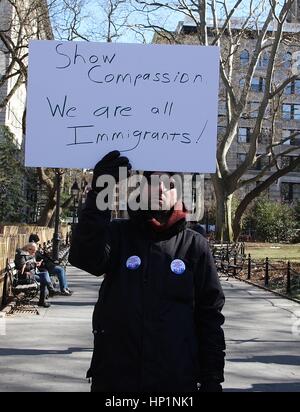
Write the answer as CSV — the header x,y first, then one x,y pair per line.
x,y
51,352
263,340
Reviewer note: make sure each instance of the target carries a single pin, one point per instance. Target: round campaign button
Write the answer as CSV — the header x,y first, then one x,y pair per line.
x,y
133,262
177,266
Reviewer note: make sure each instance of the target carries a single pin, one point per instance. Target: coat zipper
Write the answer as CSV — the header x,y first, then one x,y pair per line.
x,y
145,280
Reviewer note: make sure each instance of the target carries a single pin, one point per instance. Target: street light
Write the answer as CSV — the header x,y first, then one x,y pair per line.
x,y
206,221
56,238
75,192
3,190
83,193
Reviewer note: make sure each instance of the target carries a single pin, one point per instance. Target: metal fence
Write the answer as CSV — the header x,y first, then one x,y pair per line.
x,y
279,276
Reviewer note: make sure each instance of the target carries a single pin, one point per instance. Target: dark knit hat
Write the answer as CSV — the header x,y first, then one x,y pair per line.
x,y
34,238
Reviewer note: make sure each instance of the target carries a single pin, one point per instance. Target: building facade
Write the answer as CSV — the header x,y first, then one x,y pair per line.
x,y
20,21
283,132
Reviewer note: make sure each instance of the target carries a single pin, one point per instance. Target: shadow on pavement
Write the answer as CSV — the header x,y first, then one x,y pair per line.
x,y
281,360
269,387
34,352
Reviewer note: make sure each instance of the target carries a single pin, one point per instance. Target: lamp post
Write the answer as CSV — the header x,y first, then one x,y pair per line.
x,y
56,238
2,190
83,193
206,221
75,192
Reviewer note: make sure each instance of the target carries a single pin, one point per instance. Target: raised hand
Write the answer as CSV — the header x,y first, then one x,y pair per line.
x,y
109,165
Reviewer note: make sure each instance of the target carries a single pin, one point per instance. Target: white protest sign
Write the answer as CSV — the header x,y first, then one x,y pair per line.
x,y
157,104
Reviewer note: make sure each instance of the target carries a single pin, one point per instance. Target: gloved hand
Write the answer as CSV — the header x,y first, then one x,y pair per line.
x,y
210,387
109,165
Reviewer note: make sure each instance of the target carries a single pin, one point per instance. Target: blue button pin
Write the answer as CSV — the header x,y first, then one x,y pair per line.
x,y
177,266
133,262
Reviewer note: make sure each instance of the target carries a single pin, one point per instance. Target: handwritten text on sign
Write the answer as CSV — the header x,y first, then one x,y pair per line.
x,y
157,104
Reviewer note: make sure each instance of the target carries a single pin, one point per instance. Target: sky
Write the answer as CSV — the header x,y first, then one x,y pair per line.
x,y
93,20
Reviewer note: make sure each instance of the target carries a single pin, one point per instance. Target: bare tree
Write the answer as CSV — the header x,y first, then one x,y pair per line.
x,y
69,19
22,20
215,24
91,20
263,25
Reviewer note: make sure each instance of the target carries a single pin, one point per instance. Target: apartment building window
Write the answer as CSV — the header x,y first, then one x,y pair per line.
x,y
256,165
258,84
243,135
2,63
288,60
254,106
290,191
263,60
221,130
241,157
222,110
296,86
285,136
264,136
291,111
286,133
244,57
287,160
293,87
261,163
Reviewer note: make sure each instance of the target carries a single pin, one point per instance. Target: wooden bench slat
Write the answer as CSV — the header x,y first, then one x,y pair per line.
x,y
26,287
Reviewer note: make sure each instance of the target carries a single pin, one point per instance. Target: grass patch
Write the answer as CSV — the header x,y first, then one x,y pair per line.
x,y
274,251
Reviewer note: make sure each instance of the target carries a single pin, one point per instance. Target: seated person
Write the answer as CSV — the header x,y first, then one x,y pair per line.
x,y
52,267
27,266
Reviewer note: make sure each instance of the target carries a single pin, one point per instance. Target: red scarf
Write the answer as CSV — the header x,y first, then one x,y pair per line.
x,y
176,215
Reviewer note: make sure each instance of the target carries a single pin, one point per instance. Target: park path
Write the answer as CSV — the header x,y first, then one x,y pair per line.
x,y
262,333
52,351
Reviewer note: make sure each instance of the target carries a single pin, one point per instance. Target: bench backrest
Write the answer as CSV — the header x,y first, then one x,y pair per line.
x,y
12,270
11,267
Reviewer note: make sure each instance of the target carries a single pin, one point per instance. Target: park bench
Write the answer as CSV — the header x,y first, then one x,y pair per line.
x,y
229,258
23,292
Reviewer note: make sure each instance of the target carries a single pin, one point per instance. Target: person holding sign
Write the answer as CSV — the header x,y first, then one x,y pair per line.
x,y
157,324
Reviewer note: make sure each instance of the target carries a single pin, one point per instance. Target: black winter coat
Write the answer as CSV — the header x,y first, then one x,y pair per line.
x,y
48,264
154,330
22,259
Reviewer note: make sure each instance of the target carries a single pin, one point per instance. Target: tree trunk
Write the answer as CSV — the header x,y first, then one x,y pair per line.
x,y
223,219
228,218
52,219
47,211
237,221
236,226
223,212
220,222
